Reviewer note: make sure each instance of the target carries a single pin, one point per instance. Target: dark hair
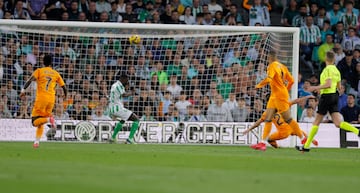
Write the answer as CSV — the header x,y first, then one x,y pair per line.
x,y
47,60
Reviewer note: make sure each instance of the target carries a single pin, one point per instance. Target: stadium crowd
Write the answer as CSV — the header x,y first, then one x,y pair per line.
x,y
178,82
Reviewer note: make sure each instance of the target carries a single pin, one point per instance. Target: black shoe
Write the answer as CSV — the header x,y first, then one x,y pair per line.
x,y
301,148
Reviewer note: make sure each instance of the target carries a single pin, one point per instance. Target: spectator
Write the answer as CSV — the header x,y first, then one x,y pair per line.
x,y
4,111
325,47
339,54
216,112
334,14
346,67
103,6
349,18
54,9
303,91
312,103
146,14
258,13
309,116
290,12
162,76
114,15
197,115
78,112
326,30
234,12
342,97
92,15
320,18
351,41
98,114
74,11
299,19
83,6
214,7
20,12
231,102
182,104
351,111
35,8
240,112
196,97
166,16
225,87
174,88
121,6
60,113
188,18
256,111
23,108
309,38
148,114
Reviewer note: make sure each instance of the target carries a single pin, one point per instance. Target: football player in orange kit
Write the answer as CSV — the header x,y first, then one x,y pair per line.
x,y
283,129
46,79
280,81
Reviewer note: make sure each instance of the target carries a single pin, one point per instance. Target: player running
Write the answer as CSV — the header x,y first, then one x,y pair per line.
x,y
118,111
46,79
330,81
280,80
283,129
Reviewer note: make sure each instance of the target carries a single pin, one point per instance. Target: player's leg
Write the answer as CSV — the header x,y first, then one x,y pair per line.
x,y
117,129
134,128
39,132
337,120
40,113
278,135
270,112
284,109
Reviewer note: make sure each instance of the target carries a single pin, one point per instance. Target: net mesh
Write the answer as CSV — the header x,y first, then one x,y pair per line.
x,y
175,75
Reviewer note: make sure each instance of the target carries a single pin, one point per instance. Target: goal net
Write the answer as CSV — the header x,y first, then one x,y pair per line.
x,y
176,72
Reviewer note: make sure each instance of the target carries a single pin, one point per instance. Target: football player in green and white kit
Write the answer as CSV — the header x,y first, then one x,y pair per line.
x,y
118,112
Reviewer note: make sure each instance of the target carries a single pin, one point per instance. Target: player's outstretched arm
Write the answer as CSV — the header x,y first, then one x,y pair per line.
x,y
263,82
65,91
27,84
256,124
298,100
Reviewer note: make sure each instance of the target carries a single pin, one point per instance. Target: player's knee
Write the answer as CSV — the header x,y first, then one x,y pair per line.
x,y
33,119
288,120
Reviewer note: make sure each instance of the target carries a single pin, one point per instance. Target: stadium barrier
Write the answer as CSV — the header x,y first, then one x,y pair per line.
x,y
224,133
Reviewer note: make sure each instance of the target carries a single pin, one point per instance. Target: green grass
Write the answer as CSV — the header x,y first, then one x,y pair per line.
x,y
76,167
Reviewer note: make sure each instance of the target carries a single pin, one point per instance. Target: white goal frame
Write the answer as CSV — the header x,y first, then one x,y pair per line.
x,y
130,26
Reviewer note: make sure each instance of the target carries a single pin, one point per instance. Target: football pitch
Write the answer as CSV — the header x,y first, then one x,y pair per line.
x,y
105,168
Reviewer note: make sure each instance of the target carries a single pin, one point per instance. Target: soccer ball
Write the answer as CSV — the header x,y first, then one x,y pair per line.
x,y
134,39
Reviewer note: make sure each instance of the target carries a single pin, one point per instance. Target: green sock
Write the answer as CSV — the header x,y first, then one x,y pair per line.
x,y
117,128
313,131
134,127
348,127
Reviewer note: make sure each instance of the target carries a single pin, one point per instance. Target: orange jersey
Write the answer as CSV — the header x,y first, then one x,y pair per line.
x,y
281,80
46,79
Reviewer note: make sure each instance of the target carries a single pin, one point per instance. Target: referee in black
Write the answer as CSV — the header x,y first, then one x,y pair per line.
x,y
330,79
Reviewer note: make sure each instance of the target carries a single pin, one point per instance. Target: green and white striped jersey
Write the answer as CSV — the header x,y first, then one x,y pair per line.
x,y
116,92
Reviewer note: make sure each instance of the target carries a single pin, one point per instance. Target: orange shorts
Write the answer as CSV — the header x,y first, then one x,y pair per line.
x,y
42,108
281,134
278,104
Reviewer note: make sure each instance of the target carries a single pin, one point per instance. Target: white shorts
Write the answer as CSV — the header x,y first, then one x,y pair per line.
x,y
119,112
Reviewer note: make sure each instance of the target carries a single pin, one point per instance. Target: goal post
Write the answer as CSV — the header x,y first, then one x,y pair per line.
x,y
90,55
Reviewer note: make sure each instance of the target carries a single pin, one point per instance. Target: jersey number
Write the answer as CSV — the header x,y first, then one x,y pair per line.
x,y
48,82
277,118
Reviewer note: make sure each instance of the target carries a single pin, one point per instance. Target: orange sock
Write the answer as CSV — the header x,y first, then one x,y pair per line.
x,y
40,121
267,130
295,126
39,132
